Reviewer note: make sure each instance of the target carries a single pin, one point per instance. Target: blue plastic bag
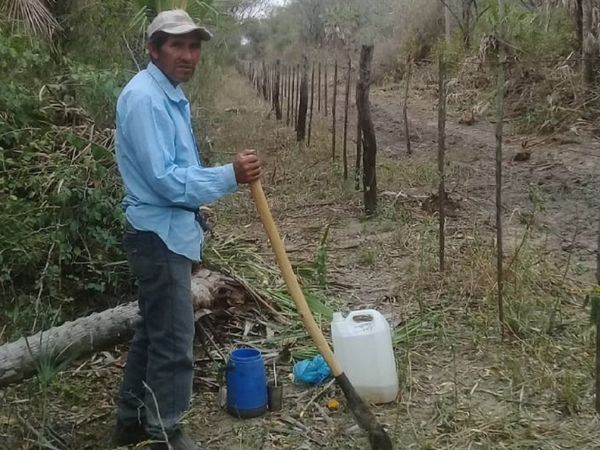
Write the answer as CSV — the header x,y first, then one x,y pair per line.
x,y
311,371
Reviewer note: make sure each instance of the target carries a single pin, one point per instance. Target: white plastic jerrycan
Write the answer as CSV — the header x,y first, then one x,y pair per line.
x,y
362,343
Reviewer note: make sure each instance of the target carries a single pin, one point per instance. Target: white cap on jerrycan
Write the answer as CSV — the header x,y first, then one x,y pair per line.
x,y
362,343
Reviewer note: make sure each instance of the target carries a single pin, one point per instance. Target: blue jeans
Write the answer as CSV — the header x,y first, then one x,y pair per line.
x,y
157,385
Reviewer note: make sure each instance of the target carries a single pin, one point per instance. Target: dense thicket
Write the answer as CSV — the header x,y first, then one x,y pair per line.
x,y
61,221
60,195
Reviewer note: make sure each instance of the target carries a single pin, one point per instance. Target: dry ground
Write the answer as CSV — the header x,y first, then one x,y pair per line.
x,y
461,385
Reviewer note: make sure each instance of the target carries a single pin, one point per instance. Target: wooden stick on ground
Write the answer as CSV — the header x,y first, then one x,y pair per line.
x,y
316,396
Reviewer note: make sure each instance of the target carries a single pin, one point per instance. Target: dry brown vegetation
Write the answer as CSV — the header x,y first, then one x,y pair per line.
x,y
461,386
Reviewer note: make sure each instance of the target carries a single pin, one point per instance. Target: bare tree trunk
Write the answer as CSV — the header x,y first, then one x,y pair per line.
x,y
292,98
319,90
272,84
291,92
368,131
466,13
358,154
598,257
282,88
588,44
276,99
597,365
269,85
346,104
597,323
264,82
289,77
405,107
257,79
295,75
441,159
333,110
303,104
447,23
579,26
312,102
296,111
73,340
268,77
500,92
325,91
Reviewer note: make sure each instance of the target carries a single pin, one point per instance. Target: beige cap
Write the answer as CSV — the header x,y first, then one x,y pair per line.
x,y
176,21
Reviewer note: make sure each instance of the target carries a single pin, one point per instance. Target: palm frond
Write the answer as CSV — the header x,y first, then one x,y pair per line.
x,y
203,11
142,18
31,15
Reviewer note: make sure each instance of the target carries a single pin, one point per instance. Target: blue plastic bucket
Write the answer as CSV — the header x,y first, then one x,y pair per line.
x,y
246,383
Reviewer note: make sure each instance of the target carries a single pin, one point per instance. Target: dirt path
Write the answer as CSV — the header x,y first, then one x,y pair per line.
x,y
562,171
559,180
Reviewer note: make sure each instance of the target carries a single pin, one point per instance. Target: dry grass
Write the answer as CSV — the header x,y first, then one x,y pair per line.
x,y
461,385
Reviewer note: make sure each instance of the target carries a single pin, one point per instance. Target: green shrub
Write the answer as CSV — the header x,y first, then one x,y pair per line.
x,y
531,33
60,224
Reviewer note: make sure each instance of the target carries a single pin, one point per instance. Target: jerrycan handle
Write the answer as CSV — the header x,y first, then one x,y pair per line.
x,y
363,315
358,319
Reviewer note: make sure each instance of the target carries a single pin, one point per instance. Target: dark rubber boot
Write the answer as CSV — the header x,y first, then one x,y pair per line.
x,y
180,440
128,434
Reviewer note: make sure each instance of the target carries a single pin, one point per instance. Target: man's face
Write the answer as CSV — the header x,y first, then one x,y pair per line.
x,y
178,56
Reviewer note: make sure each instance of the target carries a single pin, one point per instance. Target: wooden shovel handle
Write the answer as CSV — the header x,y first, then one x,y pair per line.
x,y
378,438
290,279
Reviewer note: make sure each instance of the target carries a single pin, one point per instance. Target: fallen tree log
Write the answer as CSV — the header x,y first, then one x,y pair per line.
x,y
211,291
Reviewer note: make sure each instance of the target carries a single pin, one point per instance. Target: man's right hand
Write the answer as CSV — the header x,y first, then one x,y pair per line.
x,y
246,166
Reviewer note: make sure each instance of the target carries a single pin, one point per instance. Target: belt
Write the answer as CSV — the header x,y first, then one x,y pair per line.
x,y
199,218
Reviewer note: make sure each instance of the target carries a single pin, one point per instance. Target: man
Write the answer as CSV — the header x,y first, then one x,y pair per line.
x,y
165,185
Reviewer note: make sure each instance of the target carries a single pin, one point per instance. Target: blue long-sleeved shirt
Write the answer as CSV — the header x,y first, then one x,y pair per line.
x,y
159,163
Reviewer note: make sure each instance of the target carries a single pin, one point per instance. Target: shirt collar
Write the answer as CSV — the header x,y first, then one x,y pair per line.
x,y
174,93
